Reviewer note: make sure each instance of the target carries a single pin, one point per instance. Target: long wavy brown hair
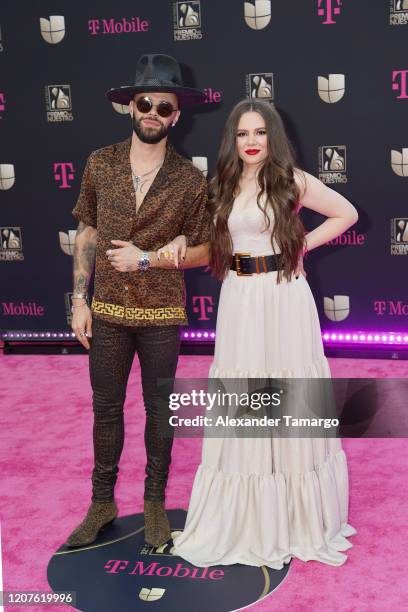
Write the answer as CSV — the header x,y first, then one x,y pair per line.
x,y
276,180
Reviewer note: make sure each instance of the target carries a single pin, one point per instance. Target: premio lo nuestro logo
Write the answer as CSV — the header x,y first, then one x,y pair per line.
x,y
332,164
399,162
201,163
260,85
338,308
52,29
257,14
399,236
187,20
67,241
11,245
331,88
7,176
399,12
58,103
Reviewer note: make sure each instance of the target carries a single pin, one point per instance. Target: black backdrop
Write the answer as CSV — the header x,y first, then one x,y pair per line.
x,y
53,111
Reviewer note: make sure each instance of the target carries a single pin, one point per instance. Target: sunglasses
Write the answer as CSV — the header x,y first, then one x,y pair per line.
x,y
164,108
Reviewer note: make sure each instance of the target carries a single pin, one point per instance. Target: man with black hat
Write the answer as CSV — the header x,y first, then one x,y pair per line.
x,y
136,197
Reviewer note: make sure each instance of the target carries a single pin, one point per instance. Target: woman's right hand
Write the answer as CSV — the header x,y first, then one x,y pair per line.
x,y
82,323
175,250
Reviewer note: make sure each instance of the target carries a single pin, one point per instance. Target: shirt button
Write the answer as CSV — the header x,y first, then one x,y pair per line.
x,y
126,288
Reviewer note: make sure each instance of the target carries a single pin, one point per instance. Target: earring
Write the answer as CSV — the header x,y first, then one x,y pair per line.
x,y
173,124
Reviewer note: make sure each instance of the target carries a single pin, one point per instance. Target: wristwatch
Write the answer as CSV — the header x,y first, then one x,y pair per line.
x,y
144,262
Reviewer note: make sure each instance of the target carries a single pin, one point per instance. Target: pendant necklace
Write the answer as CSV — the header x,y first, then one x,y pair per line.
x,y
137,178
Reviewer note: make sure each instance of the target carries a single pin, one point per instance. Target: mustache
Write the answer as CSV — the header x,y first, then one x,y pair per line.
x,y
150,119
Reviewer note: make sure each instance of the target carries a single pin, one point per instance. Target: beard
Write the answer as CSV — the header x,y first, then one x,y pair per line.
x,y
149,135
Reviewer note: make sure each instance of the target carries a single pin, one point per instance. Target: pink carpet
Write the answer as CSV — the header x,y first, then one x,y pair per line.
x,y
46,460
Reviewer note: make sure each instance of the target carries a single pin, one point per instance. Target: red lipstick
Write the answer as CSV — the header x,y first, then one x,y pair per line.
x,y
252,151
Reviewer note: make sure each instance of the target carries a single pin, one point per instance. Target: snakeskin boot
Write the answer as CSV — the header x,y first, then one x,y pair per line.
x,y
98,516
157,526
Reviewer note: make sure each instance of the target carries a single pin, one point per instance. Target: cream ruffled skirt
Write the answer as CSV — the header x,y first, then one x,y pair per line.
x,y
261,501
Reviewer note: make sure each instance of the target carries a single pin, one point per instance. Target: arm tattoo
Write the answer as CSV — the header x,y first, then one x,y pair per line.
x,y
81,228
84,256
81,284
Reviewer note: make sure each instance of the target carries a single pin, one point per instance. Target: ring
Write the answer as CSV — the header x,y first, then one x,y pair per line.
x,y
83,334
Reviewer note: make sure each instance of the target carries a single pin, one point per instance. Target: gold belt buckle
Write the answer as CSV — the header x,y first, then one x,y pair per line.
x,y
238,264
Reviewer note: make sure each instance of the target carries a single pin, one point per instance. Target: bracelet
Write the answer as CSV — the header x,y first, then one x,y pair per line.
x,y
78,306
80,295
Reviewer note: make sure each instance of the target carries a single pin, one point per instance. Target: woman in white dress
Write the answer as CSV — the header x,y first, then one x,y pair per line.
x,y
260,501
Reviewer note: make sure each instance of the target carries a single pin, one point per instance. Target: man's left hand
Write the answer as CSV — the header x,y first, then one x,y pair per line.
x,y
125,257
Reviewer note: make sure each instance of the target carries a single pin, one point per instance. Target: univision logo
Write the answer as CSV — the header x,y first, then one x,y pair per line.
x,y
151,594
331,88
67,241
399,162
337,309
257,14
122,109
52,29
7,176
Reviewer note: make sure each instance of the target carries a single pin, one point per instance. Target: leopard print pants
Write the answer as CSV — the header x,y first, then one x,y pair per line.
x,y
113,348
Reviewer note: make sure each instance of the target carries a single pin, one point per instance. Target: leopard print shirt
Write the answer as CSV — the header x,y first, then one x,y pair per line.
x,y
176,203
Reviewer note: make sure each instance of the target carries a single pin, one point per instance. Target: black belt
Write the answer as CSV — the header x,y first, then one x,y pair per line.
x,y
245,265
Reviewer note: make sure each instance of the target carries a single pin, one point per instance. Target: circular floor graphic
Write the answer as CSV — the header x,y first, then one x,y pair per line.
x,y
120,572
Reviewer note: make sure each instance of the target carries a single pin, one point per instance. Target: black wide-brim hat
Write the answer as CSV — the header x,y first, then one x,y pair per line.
x,y
157,73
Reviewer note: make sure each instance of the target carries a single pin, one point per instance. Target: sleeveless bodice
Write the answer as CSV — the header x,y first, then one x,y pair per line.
x,y
248,229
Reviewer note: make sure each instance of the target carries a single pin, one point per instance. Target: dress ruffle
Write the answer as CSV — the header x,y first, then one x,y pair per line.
x,y
319,368
302,515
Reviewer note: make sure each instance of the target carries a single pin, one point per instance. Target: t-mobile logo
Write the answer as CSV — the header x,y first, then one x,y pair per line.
x,y
399,83
64,172
2,103
203,305
328,9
